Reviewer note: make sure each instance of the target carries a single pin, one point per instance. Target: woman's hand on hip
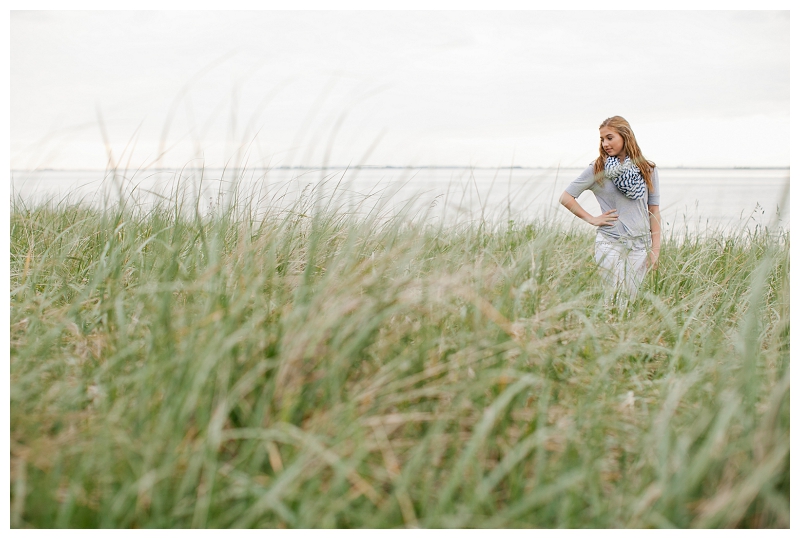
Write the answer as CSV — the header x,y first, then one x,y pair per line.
x,y
605,219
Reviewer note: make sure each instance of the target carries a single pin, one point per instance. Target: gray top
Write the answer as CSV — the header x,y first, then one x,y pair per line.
x,y
633,225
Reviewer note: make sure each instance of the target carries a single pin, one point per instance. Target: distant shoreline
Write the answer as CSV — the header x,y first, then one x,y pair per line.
x,y
385,167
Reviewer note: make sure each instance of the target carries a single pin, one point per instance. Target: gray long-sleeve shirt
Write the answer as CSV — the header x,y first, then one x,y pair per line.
x,y
633,225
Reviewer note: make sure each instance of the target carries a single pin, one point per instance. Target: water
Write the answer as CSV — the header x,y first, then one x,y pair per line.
x,y
692,199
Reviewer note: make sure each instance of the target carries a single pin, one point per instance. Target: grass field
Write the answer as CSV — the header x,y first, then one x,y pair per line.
x,y
311,368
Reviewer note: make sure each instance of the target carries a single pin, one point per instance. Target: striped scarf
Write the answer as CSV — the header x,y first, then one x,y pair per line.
x,y
626,177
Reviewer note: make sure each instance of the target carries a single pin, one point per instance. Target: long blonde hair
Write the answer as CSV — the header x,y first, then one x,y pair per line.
x,y
621,126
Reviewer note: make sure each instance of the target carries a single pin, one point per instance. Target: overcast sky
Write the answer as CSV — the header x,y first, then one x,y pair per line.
x,y
396,88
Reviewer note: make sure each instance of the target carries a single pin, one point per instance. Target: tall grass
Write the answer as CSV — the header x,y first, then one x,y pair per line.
x,y
314,368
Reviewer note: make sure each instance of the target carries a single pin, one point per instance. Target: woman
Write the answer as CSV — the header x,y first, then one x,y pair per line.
x,y
626,187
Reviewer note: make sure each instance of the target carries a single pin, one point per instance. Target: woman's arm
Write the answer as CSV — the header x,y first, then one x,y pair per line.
x,y
606,219
655,235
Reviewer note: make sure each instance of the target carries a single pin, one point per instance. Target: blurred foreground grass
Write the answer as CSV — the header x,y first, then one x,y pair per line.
x,y
310,368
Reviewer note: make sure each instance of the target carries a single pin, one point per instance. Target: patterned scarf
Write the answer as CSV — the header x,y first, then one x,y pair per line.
x,y
626,177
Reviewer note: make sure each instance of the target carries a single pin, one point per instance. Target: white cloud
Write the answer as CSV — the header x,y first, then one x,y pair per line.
x,y
444,87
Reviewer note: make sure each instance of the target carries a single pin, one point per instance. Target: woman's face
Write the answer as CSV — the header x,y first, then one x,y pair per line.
x,y
613,144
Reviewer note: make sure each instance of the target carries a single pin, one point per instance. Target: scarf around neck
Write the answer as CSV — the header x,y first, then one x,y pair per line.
x,y
626,177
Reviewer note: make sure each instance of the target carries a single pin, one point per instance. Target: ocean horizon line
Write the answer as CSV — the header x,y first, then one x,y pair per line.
x,y
389,167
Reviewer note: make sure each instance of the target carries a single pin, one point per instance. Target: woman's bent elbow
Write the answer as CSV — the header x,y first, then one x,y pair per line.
x,y
565,199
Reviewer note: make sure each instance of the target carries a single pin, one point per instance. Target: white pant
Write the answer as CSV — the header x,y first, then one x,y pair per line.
x,y
621,267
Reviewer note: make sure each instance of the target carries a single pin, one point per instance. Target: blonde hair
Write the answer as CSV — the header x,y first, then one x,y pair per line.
x,y
623,128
